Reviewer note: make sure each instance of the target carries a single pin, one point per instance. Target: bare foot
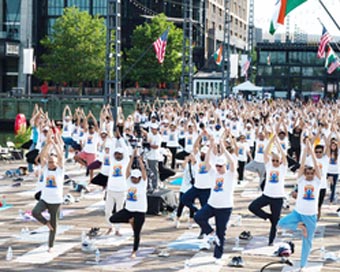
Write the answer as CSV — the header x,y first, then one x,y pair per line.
x,y
49,250
303,228
48,224
117,233
133,255
108,231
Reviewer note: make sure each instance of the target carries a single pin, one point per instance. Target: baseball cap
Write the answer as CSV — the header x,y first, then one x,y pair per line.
x,y
103,131
221,161
154,126
119,150
136,173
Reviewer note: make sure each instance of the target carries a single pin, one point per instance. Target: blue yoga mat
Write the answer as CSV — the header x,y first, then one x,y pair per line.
x,y
177,181
6,207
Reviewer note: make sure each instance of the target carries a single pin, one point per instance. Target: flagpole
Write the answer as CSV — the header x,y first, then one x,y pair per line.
x,y
336,44
329,14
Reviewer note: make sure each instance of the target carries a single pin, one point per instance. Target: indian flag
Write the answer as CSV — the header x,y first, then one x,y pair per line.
x,y
218,55
332,61
281,10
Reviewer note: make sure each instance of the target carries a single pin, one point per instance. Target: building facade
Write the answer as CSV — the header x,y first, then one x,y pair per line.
x,y
288,66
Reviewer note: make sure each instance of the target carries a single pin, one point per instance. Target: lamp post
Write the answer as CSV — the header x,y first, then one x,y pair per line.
x,y
226,51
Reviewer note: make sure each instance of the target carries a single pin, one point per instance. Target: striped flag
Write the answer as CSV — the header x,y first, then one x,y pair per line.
x,y
324,40
245,67
332,61
160,45
218,55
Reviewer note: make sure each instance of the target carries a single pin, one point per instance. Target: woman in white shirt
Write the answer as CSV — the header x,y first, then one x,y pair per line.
x,y
221,199
333,164
304,216
52,165
136,201
273,192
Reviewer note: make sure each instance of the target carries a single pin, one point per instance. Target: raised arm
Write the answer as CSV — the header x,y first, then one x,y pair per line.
x,y
267,149
315,162
229,157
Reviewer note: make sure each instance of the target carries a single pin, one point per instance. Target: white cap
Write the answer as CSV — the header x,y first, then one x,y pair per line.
x,y
103,131
107,144
205,149
248,125
136,173
166,121
119,150
221,160
46,128
154,126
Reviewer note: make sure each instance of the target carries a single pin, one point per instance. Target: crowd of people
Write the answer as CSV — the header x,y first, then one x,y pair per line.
x,y
214,143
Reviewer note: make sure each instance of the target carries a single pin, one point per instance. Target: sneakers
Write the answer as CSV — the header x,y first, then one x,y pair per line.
x,y
218,261
213,239
69,199
88,246
236,262
93,232
245,235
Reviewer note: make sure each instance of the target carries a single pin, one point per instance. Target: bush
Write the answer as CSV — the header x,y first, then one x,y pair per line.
x,y
23,136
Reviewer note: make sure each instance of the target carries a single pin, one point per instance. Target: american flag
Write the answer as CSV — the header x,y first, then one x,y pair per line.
x,y
160,46
325,39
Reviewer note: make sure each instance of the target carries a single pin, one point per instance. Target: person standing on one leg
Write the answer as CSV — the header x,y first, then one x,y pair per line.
x,y
273,192
136,201
304,216
221,200
52,165
333,164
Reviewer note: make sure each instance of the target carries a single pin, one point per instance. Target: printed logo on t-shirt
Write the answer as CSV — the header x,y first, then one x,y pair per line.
x,y
260,149
308,192
274,176
106,161
132,194
182,132
117,171
240,151
75,131
332,161
202,168
189,141
89,140
204,138
234,127
248,136
165,132
51,182
320,166
66,128
283,146
228,166
219,185
81,134
171,137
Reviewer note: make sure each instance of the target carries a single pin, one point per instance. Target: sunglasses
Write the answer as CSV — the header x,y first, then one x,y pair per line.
x,y
218,166
318,152
275,161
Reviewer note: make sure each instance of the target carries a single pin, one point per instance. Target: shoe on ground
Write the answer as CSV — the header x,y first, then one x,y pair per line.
x,y
88,246
177,224
213,239
236,262
93,232
218,261
245,235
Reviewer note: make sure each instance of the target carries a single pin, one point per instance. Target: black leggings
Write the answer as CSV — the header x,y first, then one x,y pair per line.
x,y
123,216
181,206
173,151
275,207
322,194
240,169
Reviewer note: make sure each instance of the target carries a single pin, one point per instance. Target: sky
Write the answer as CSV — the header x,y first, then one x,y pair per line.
x,y
305,16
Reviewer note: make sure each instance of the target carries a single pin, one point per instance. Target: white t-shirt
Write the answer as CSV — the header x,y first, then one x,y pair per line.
x,y
222,192
90,142
250,136
52,191
75,133
308,196
243,148
333,165
202,180
116,179
186,181
274,186
259,152
154,154
284,144
172,139
323,166
189,142
67,129
136,200
105,159
165,134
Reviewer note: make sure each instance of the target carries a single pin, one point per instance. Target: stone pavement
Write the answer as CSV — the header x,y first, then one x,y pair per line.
x,y
29,247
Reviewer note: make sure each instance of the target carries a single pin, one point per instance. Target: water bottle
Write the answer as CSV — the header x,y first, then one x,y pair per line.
x,y
83,236
21,213
237,242
61,215
9,255
239,221
97,256
322,252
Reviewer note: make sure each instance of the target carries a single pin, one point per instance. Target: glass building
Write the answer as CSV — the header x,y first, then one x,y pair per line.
x,y
288,66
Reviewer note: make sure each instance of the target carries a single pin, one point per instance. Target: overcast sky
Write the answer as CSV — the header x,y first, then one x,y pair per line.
x,y
305,16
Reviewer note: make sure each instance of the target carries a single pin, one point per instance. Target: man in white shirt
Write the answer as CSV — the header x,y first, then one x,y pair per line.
x,y
273,192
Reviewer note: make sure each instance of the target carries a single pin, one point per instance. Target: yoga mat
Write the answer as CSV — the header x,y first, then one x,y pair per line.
x,y
40,234
259,246
8,206
30,193
251,193
177,181
203,262
311,267
122,260
97,194
112,239
27,216
189,241
242,184
100,205
41,256
319,233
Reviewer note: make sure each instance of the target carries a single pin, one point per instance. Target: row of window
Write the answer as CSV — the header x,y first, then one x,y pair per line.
x,y
296,57
284,71
297,83
56,7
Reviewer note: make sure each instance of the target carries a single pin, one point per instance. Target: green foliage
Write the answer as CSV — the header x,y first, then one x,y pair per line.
x,y
75,49
23,136
148,71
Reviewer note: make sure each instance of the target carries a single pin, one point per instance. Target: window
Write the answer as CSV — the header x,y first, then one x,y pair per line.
x,y
51,22
55,7
83,5
214,9
11,18
295,70
99,7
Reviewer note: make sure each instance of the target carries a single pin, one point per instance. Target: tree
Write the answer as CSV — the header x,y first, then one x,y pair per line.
x,y
148,71
75,49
